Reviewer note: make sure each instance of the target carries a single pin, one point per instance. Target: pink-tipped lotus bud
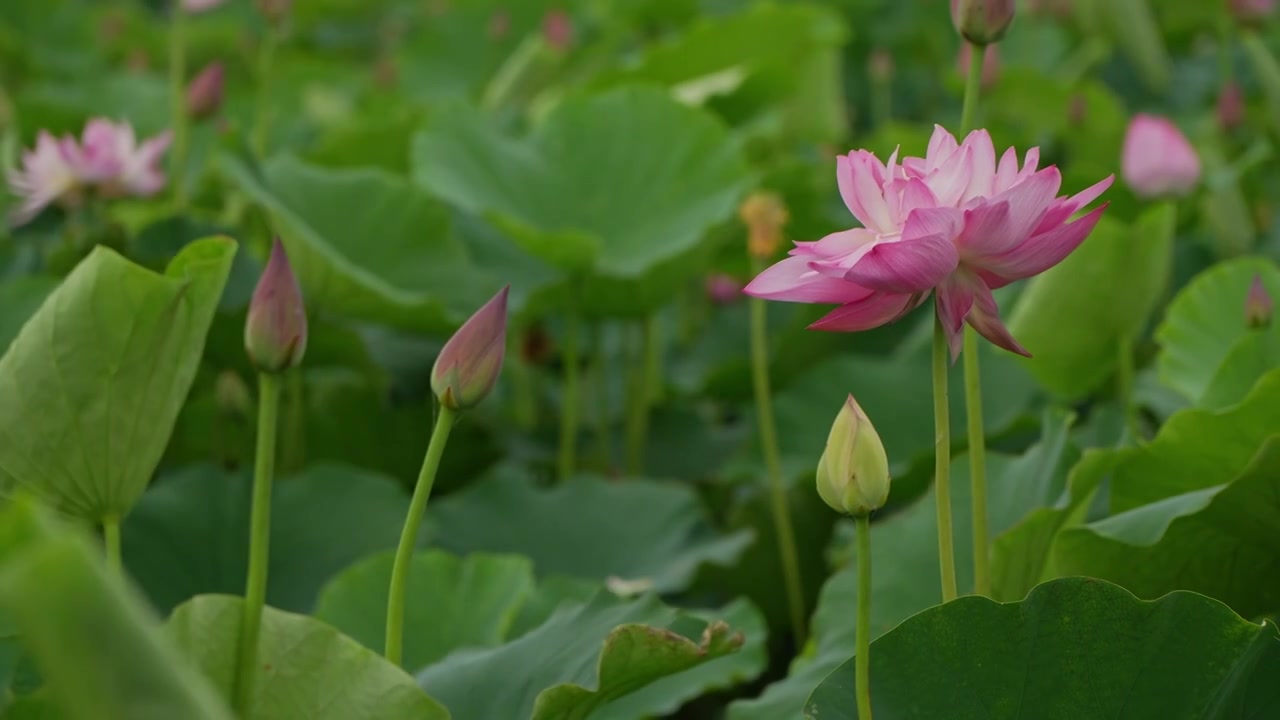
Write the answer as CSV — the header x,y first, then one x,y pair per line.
x,y
723,289
1230,109
1251,12
557,30
204,94
853,473
1158,160
275,334
1258,305
469,363
982,22
990,64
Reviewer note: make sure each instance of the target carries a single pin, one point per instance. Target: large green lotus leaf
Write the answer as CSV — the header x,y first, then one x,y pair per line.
x,y
1206,321
1072,316
636,530
96,643
1195,450
1252,357
189,534
904,558
1219,541
20,297
94,381
309,670
368,245
606,658
612,183
452,602
1075,648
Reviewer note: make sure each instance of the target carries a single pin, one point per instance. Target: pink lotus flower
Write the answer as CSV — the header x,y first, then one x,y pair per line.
x,y
1157,160
955,222
199,6
723,289
48,175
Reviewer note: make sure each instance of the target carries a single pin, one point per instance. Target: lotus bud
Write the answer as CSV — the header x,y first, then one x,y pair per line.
x,y
199,6
1258,305
982,22
1077,110
557,30
764,214
469,363
499,25
853,473
723,289
275,334
1230,109
232,394
1158,160
204,94
1251,12
275,11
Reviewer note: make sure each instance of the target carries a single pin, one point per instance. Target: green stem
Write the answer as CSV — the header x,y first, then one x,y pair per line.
x,y
977,463
111,539
255,593
262,109
977,55
600,387
778,501
654,385
942,460
178,104
638,402
862,658
409,535
1124,383
567,462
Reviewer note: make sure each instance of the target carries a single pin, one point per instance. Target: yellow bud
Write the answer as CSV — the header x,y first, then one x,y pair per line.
x,y
853,473
765,215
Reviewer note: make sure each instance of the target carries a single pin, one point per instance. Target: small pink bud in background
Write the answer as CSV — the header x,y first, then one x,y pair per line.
x,y
982,22
1077,110
723,289
1251,11
557,29
1258,305
1230,110
199,6
469,364
275,333
990,64
1158,160
880,65
499,25
275,11
204,94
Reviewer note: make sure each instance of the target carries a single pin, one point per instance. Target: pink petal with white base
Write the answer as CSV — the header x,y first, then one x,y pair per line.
x,y
792,280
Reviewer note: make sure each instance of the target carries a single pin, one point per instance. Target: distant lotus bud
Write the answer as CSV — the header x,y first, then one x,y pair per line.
x,y
880,65
232,394
199,6
982,22
499,25
723,289
275,334
469,363
557,30
1258,305
1077,110
990,64
1230,110
853,473
275,11
765,215
1158,160
204,94
1251,12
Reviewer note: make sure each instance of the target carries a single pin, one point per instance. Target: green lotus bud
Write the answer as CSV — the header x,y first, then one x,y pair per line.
x,y
275,333
469,363
982,22
853,473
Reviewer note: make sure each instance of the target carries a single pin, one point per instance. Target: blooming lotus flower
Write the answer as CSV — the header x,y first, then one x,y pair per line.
x,y
111,157
1157,160
48,174
468,365
954,222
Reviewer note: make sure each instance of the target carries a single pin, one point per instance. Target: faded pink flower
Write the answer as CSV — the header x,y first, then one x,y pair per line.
x,y
199,6
48,174
955,222
111,158
1157,160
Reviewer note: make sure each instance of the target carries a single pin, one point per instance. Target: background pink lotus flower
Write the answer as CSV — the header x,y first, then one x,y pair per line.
x,y
111,157
199,6
48,174
723,289
955,222
1157,160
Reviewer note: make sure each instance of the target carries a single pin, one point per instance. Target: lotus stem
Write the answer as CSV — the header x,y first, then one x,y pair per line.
x,y
177,104
638,402
567,461
942,460
862,658
111,541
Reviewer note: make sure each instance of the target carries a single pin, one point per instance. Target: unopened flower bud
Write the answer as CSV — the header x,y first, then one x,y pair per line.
x,y
275,334
853,473
1258,305
765,215
232,394
275,11
1158,160
469,363
1251,12
1230,109
1077,110
199,6
982,22
557,30
204,93
723,289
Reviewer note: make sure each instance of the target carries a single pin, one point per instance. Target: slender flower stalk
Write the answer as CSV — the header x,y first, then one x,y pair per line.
x,y
111,541
973,377
942,461
600,389
255,593
862,658
567,458
394,645
638,402
178,116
